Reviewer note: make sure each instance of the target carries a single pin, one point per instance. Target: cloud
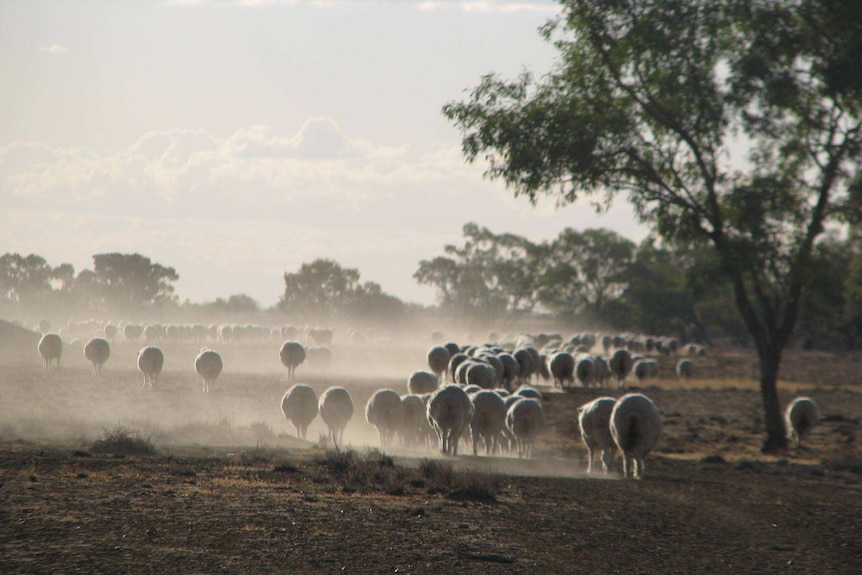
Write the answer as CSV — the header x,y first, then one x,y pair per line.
x,y
54,49
482,6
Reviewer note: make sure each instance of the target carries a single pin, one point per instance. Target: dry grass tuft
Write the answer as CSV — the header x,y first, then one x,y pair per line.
x,y
122,441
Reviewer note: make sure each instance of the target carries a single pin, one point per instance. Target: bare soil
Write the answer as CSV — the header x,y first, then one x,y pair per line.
x,y
230,489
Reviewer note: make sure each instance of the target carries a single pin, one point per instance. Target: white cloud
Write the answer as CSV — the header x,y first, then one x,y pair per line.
x,y
54,49
486,6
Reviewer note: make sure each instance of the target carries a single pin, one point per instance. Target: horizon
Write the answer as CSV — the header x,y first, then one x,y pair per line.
x,y
235,141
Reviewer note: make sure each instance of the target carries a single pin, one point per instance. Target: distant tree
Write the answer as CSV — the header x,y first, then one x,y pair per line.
x,y
654,98
317,290
25,279
584,271
129,281
239,304
490,277
369,306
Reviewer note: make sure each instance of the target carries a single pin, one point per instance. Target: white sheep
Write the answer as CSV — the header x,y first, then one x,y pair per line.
x,y
208,364
526,420
801,417
584,370
684,369
421,382
481,374
50,348
299,406
562,368
645,368
449,413
336,409
594,419
97,351
292,354
415,429
385,412
438,359
635,427
489,419
620,364
150,362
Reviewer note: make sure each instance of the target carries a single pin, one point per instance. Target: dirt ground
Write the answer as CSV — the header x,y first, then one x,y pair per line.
x,y
229,489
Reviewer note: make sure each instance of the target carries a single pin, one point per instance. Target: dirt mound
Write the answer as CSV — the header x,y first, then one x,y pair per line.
x,y
15,340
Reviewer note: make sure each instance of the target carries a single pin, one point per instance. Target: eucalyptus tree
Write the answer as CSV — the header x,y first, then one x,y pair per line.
x,y
732,124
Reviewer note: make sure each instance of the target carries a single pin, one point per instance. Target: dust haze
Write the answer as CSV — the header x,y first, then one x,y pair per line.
x,y
243,410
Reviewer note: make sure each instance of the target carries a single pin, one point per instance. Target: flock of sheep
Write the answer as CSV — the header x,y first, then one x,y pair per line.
x,y
484,389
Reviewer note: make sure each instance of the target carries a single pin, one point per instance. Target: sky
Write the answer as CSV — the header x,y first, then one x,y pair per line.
x,y
235,141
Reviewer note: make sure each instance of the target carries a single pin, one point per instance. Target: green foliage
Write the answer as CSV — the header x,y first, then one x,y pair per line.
x,y
653,98
323,290
129,281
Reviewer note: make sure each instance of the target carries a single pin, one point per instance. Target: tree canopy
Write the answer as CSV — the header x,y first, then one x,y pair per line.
x,y
730,124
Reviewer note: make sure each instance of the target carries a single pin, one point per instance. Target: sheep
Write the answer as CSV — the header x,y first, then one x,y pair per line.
x,y
526,364
150,362
454,363
526,420
511,370
635,427
97,351
601,371
421,382
620,364
208,364
299,406
489,419
415,429
562,367
481,374
449,412
584,369
645,368
50,348
292,354
801,417
319,357
529,392
438,359
132,332
385,412
594,419
336,409
110,331
684,369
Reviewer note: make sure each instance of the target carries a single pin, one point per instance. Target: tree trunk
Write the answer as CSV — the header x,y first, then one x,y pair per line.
x,y
776,435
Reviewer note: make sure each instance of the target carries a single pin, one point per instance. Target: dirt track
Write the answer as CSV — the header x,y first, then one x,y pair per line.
x,y
711,503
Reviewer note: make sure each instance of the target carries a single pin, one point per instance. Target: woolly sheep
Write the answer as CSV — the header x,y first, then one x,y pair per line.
x,y
635,427
336,409
150,362
110,331
50,348
594,419
319,357
801,417
438,360
97,351
511,370
421,382
455,362
529,392
489,419
481,374
132,332
299,406
562,367
684,369
208,364
620,364
584,369
292,354
526,363
645,368
449,412
526,420
385,412
415,430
